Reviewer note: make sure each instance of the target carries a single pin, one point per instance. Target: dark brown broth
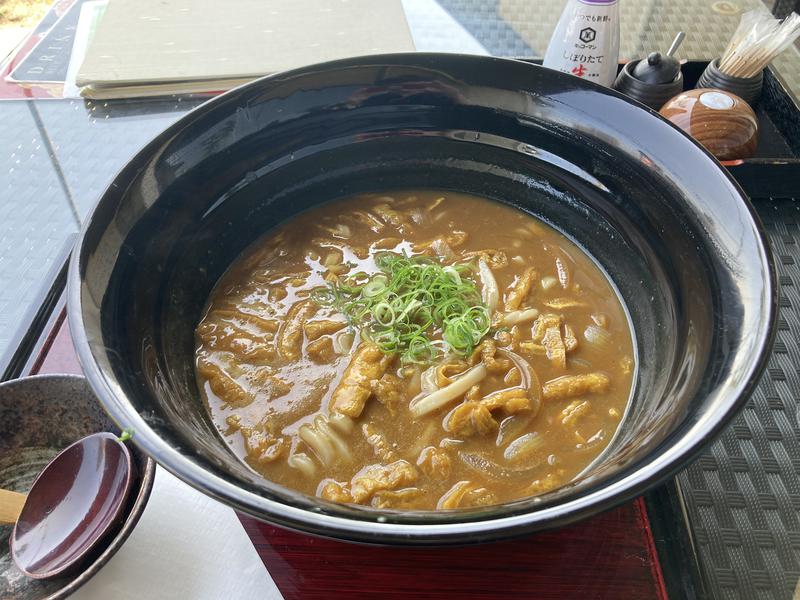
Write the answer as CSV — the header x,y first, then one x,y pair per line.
x,y
251,401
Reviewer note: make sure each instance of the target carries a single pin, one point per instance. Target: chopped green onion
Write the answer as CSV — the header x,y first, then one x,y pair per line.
x,y
383,314
375,287
420,350
412,299
324,296
453,273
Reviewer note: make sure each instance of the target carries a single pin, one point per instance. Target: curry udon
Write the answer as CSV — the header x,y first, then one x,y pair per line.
x,y
419,350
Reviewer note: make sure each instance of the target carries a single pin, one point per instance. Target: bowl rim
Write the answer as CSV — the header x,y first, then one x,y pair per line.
x,y
492,528
141,489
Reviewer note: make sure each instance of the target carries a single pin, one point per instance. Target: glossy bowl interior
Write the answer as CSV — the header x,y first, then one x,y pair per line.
x,y
666,222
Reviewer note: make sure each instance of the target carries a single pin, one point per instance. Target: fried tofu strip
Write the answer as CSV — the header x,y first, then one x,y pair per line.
x,y
547,338
496,259
542,324
389,390
512,400
434,462
390,216
555,347
486,352
290,339
454,239
368,482
570,386
261,446
396,499
375,478
521,289
223,385
316,329
475,417
355,388
237,317
574,410
565,303
248,337
570,341
470,418
321,350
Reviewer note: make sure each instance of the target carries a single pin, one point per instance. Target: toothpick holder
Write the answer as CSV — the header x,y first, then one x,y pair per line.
x,y
748,89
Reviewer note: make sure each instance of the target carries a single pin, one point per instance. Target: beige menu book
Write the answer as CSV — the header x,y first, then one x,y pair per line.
x,y
153,47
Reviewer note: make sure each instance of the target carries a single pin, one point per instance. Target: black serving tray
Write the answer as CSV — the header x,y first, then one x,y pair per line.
x,y
773,172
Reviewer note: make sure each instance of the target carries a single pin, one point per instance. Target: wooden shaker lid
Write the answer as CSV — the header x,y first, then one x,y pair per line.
x,y
722,122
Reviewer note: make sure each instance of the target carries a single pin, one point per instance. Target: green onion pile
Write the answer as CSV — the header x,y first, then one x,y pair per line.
x,y
409,300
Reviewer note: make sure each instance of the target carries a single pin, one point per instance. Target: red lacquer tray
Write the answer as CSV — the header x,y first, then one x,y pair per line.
x,y
611,556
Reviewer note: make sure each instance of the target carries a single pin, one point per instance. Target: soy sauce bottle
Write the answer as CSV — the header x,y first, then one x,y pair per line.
x,y
585,42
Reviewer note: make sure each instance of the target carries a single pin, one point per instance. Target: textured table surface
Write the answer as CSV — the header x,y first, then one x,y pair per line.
x,y
743,494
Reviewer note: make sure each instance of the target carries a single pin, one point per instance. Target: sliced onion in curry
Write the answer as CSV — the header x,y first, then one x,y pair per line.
x,y
490,293
415,381
494,470
343,342
323,440
442,249
530,381
321,446
512,426
597,336
523,447
549,282
428,380
515,317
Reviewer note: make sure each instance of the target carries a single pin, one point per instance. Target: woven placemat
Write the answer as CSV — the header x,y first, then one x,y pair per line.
x,y
742,495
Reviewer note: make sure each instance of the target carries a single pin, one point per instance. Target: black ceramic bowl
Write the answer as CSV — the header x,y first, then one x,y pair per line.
x,y
666,221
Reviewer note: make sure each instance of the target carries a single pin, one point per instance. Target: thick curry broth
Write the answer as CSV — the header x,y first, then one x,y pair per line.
x,y
264,377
